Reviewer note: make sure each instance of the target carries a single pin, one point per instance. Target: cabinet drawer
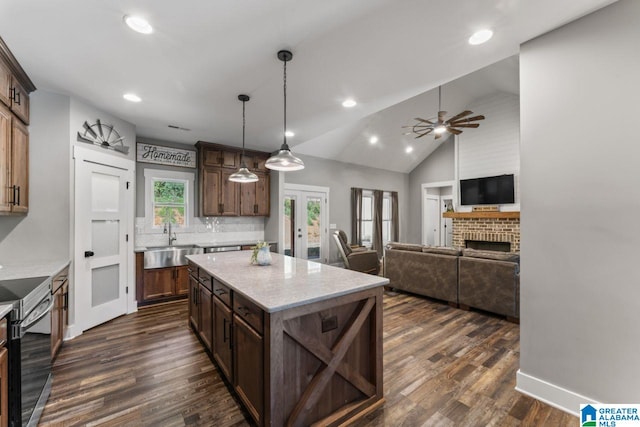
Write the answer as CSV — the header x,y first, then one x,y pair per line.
x,y
223,292
249,312
204,278
3,331
192,269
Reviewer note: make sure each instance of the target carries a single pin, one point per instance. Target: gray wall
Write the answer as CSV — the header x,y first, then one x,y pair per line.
x,y
439,166
340,177
580,282
43,234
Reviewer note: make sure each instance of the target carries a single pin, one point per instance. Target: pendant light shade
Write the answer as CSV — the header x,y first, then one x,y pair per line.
x,y
285,160
244,175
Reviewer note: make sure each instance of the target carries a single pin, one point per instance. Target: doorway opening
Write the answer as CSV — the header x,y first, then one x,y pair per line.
x,y
437,198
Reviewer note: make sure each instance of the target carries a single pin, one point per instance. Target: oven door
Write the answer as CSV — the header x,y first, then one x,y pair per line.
x,y
34,341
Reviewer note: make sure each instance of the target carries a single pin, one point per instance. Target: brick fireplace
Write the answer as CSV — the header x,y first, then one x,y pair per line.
x,y
486,226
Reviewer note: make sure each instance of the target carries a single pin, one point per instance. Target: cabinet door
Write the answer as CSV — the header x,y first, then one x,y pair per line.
x,y
248,199
19,101
182,280
20,166
230,195
262,195
194,293
222,336
5,85
65,308
220,158
6,193
248,367
205,323
210,192
4,387
158,283
56,322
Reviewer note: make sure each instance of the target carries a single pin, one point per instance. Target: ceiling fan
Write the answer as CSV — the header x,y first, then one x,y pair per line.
x,y
439,126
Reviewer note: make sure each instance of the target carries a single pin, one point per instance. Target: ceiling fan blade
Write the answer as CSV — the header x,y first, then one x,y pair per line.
x,y
441,115
459,116
424,121
470,119
467,125
453,131
423,134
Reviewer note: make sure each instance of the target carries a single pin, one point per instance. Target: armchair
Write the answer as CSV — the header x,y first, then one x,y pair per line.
x,y
358,259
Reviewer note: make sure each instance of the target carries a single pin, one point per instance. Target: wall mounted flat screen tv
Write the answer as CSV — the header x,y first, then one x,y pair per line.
x,y
492,190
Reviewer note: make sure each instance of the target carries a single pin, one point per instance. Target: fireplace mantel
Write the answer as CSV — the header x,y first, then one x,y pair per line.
x,y
481,215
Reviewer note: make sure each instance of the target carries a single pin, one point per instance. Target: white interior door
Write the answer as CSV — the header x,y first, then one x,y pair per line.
x,y
432,220
102,209
446,229
305,224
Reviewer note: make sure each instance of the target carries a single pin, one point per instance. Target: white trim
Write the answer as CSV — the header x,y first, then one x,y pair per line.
x,y
149,175
439,184
551,394
302,187
439,197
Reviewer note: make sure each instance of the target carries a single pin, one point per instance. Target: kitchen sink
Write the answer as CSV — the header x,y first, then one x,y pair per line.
x,y
169,256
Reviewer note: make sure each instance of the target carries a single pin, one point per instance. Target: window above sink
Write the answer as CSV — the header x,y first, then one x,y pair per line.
x,y
169,197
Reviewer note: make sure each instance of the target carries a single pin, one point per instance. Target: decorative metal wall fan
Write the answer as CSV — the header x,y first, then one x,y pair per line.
x,y
439,125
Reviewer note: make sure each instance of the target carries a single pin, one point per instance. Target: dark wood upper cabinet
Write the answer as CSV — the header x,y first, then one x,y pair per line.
x,y
220,197
15,87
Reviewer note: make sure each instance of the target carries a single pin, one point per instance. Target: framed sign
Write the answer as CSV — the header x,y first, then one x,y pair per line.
x,y
168,156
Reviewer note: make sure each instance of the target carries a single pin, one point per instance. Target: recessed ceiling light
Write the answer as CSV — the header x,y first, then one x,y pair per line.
x,y
348,103
408,149
138,24
480,37
373,140
289,134
132,97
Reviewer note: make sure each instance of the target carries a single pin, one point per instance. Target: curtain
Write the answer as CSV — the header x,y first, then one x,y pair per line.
x,y
395,220
356,216
377,222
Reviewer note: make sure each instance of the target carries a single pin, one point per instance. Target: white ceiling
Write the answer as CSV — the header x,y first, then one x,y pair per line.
x,y
203,53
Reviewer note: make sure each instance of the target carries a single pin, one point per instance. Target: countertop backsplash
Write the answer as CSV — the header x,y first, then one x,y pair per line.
x,y
204,230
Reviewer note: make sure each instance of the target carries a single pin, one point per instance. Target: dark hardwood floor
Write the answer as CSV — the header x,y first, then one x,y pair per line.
x,y
442,367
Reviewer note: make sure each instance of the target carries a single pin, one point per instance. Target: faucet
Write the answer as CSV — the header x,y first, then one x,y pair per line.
x,y
171,238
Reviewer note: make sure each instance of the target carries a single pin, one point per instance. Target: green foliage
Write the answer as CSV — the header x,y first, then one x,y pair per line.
x,y
287,208
168,192
313,212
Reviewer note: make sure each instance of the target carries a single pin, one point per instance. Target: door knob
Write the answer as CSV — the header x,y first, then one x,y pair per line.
x,y
87,254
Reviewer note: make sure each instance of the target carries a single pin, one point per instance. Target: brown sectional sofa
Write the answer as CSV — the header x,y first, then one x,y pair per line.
x,y
486,280
423,270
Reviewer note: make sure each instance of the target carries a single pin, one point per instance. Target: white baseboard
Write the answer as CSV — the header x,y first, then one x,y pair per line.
x,y
72,332
553,395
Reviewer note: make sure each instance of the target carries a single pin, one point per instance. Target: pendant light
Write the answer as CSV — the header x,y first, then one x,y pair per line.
x,y
284,160
243,175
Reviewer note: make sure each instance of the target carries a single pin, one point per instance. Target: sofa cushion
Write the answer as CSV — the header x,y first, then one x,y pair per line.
x,y
441,250
495,255
404,246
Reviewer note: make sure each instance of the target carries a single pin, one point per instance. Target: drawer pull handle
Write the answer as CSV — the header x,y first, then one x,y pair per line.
x,y
244,311
220,291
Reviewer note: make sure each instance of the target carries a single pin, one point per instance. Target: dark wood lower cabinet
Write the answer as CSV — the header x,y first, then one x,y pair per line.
x,y
205,323
59,312
222,336
248,362
158,283
194,294
4,387
161,284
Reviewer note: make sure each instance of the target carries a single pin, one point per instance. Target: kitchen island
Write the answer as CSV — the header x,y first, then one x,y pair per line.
x,y
298,341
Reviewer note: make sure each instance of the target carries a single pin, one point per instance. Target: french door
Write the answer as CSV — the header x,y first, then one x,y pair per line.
x,y
306,232
103,207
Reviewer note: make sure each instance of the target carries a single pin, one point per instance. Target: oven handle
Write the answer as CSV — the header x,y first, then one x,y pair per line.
x,y
29,321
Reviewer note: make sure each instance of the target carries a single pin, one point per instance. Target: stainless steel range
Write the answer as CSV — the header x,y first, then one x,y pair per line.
x,y
29,347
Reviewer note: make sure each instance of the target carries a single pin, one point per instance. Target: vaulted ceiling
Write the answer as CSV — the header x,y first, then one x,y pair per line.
x,y
389,55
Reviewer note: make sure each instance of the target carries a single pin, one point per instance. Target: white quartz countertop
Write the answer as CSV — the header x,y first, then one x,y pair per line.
x,y
32,269
5,309
288,282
